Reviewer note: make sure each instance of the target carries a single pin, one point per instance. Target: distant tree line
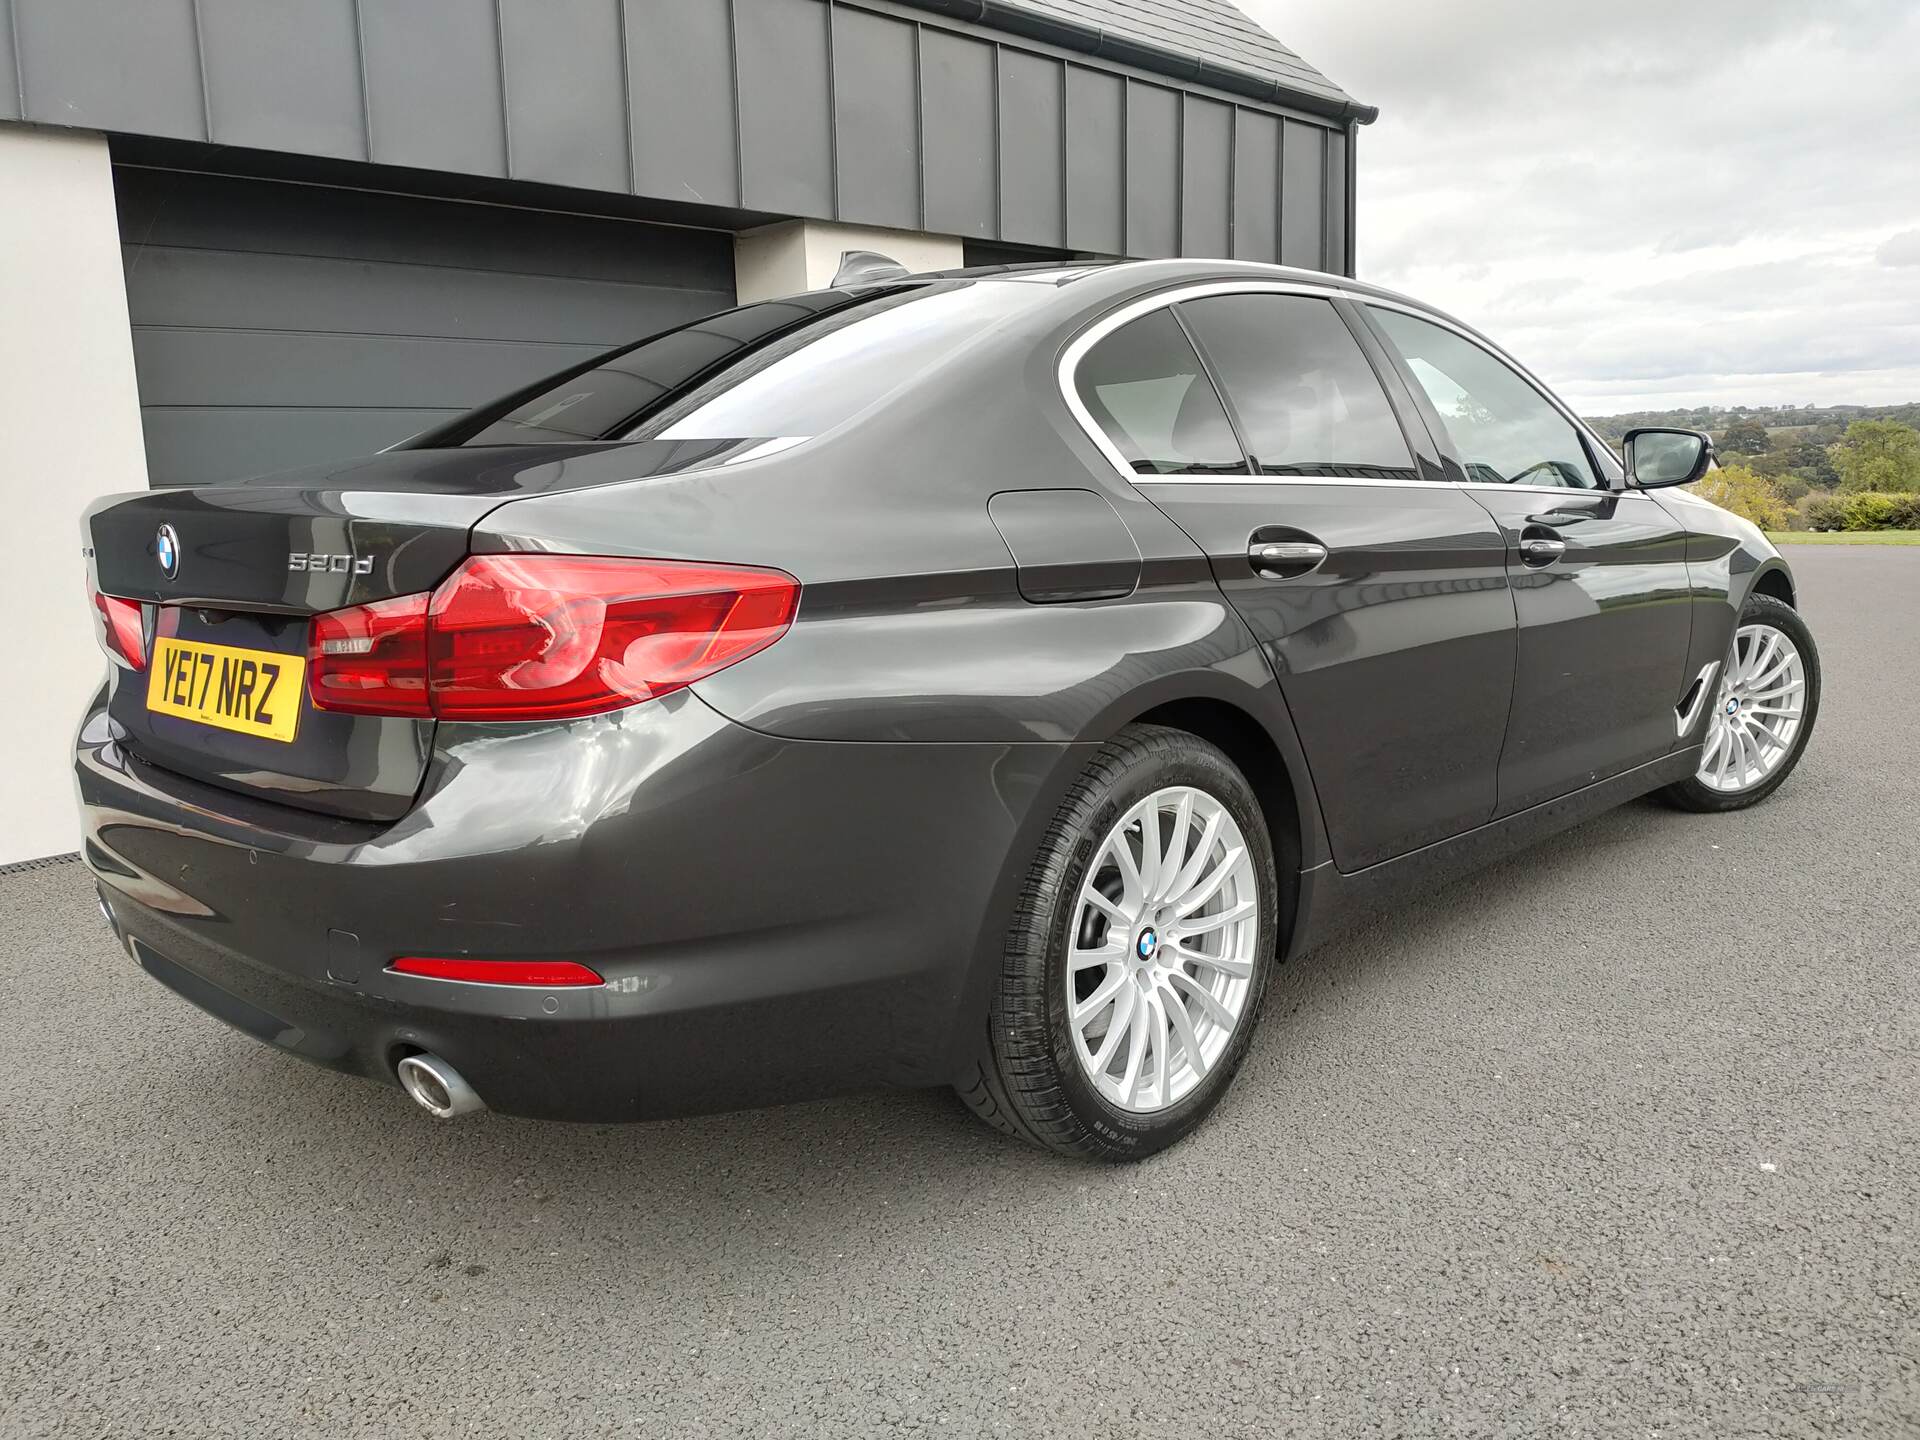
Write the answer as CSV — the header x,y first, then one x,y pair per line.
x,y
1838,467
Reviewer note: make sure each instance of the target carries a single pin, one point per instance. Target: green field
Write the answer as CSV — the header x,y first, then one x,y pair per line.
x,y
1844,537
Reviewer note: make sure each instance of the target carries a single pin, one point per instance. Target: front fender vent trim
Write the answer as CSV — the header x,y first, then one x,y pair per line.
x,y
1687,712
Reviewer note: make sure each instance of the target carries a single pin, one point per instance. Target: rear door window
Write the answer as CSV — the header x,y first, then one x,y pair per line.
x,y
1306,400
1146,389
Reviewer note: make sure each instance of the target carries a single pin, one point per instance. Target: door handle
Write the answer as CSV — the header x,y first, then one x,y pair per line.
x,y
1537,550
1286,558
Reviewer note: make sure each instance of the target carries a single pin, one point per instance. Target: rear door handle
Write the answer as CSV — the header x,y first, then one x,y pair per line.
x,y
1285,559
1537,550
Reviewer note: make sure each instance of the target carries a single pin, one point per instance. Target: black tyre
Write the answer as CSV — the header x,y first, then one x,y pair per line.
x,y
1137,958
1762,713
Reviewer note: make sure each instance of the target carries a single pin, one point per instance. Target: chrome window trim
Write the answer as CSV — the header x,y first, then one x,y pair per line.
x,y
1077,348
1143,479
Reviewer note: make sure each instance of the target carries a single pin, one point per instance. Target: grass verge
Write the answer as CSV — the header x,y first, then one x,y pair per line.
x,y
1844,537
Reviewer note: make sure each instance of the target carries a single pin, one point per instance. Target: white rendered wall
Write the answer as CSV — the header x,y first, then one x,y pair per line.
x,y
69,433
798,255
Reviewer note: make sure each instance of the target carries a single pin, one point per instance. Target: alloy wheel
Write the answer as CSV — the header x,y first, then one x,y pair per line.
x,y
1761,705
1166,934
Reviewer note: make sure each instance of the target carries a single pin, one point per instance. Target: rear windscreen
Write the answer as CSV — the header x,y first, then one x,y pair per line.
x,y
782,369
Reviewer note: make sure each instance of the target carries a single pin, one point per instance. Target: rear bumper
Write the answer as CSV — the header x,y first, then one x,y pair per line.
x,y
775,919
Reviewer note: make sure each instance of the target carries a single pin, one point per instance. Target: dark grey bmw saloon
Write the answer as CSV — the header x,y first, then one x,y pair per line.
x,y
980,679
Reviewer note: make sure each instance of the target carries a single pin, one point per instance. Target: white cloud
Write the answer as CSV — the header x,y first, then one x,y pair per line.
x,y
1901,249
1656,202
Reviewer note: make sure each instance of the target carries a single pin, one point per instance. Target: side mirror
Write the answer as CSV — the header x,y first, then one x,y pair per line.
x,y
1659,458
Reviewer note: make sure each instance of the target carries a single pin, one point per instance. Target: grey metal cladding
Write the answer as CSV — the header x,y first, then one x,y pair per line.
x,y
1256,186
1339,244
1208,42
283,77
1206,177
1302,189
1096,161
680,84
903,113
957,115
566,94
434,97
1153,170
1032,149
112,65
876,119
786,105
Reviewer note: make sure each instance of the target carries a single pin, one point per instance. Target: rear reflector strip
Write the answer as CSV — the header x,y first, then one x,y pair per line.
x,y
545,974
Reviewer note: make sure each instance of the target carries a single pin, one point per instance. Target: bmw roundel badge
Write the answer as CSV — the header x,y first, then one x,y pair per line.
x,y
166,549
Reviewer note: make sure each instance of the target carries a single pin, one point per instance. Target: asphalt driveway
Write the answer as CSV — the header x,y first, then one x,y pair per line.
x,y
1620,1138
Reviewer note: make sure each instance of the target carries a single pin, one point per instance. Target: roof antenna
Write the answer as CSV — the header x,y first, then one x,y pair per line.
x,y
866,267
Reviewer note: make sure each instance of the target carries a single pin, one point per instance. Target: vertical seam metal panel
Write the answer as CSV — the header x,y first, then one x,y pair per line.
x,y
626,94
1180,173
506,100
19,63
1279,190
200,63
1325,254
1126,164
1353,173
833,115
1233,182
739,120
366,90
919,123
1066,163
999,169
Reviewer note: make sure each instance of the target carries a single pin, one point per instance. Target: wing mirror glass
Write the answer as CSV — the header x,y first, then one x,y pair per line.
x,y
1658,458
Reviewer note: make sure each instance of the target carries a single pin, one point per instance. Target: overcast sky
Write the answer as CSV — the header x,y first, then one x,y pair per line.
x,y
1650,202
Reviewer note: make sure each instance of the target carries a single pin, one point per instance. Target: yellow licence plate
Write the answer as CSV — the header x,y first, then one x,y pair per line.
x,y
256,692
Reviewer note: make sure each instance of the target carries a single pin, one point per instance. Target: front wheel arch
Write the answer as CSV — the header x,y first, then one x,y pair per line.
x,y
1775,583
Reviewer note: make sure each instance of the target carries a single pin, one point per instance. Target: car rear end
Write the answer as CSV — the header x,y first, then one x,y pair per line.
x,y
381,771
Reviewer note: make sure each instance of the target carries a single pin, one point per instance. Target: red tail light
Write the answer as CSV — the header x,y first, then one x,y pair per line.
x,y
371,659
547,974
116,624
544,637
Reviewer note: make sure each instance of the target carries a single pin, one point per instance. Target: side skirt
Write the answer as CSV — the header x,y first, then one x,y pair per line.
x,y
1332,902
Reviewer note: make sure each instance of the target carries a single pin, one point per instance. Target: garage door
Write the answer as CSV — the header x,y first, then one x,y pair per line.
x,y
279,324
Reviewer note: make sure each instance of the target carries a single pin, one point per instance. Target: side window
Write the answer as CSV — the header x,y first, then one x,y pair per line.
x,y
1145,388
1503,429
1307,401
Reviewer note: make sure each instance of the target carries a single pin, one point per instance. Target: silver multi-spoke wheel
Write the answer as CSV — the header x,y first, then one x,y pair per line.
x,y
1762,702
1166,934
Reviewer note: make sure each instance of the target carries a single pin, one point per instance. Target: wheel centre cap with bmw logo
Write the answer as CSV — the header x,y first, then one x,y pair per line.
x,y
1145,946
166,549
1733,704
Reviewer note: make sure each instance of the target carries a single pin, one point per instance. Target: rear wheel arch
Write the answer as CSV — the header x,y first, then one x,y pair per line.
x,y
1252,749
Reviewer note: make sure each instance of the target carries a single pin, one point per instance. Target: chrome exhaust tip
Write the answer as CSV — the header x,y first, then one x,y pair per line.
x,y
437,1087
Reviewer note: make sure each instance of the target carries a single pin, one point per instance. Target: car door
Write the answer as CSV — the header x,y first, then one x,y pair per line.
x,y
1377,590
1599,573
